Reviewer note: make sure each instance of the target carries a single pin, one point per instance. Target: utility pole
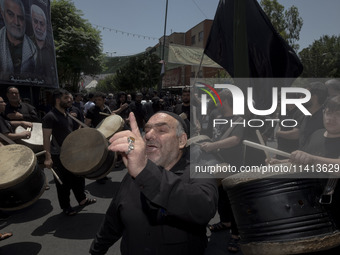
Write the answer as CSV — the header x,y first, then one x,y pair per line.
x,y
163,50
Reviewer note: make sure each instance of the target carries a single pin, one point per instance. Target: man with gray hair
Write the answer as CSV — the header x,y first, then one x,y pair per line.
x,y
45,64
17,51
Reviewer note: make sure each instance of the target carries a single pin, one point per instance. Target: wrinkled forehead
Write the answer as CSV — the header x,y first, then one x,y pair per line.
x,y
162,118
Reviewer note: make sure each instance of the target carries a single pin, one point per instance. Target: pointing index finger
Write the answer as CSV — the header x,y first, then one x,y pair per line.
x,y
134,125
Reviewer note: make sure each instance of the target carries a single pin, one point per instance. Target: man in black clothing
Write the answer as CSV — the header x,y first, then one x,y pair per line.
x,y
18,110
7,127
95,114
58,124
287,136
139,110
323,152
310,124
184,107
161,208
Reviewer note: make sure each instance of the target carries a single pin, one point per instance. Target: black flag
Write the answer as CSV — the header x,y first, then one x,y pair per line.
x,y
268,53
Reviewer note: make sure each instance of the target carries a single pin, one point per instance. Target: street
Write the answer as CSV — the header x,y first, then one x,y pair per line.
x,y
42,228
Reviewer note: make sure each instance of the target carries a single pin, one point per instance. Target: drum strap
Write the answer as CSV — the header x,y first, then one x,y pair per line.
x,y
6,139
78,121
327,195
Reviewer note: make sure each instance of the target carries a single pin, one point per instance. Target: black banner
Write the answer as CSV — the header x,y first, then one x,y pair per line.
x,y
27,54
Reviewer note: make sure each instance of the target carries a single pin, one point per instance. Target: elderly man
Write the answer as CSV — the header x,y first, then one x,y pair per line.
x,y
17,51
45,64
18,110
7,127
161,208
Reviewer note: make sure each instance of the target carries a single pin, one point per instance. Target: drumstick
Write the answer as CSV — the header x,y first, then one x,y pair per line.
x,y
266,148
29,129
56,176
78,121
259,136
104,113
40,153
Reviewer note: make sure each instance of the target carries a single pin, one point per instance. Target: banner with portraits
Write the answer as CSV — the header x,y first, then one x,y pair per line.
x,y
27,53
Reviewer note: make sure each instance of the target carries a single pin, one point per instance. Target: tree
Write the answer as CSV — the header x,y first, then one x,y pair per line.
x,y
107,85
78,44
287,23
142,71
322,58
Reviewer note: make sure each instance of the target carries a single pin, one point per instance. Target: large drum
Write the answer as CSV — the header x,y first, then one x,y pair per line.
x,y
22,182
281,215
35,142
110,125
85,151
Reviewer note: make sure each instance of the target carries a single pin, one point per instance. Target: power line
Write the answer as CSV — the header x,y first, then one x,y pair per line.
x,y
126,33
200,9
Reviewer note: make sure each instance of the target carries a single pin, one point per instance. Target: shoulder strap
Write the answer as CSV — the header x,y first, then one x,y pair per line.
x,y
230,129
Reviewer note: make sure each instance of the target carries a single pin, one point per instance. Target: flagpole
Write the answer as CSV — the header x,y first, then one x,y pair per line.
x,y
241,61
160,84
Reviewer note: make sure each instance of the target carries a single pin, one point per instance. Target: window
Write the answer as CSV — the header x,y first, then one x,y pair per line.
x,y
193,40
200,36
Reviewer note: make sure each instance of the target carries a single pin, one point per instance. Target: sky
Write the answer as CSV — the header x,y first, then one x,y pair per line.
x,y
138,24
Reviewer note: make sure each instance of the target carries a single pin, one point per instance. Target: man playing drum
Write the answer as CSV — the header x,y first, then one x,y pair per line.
x,y
98,112
323,151
58,124
7,127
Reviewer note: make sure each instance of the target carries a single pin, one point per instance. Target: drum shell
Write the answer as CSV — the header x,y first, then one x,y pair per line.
x,y
90,159
27,187
281,216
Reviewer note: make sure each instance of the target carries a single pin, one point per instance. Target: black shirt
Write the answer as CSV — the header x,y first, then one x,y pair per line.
x,y
233,155
94,114
290,145
28,111
61,125
309,125
5,126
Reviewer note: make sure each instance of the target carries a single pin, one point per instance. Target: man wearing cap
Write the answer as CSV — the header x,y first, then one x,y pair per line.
x,y
161,208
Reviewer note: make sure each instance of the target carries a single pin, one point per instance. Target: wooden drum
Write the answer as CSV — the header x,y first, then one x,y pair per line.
x,y
85,152
280,215
22,182
110,125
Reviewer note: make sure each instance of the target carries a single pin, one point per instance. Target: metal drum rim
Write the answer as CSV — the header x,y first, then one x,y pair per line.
x,y
315,243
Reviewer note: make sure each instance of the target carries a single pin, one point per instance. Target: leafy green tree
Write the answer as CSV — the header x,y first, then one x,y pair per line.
x,y
78,44
107,85
287,23
142,71
322,58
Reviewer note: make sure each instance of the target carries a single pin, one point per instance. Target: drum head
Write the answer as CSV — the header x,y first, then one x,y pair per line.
x,y
16,163
84,151
246,177
36,137
110,125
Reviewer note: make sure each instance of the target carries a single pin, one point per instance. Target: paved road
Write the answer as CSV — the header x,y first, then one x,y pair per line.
x,y
43,229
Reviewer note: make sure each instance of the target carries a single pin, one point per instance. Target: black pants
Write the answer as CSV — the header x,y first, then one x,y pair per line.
x,y
225,211
70,182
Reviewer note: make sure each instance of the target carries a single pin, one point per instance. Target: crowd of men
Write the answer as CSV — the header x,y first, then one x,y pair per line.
x,y
158,196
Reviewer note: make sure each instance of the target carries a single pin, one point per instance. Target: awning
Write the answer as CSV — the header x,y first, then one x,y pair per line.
x,y
187,55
